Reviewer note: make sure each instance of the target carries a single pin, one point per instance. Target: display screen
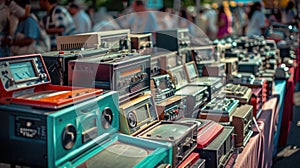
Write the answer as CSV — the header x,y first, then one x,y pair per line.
x,y
131,71
191,71
142,113
22,70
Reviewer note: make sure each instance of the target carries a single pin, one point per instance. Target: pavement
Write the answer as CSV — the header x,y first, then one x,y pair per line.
x,y
289,156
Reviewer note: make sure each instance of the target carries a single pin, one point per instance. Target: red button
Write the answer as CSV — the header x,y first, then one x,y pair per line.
x,y
61,52
176,111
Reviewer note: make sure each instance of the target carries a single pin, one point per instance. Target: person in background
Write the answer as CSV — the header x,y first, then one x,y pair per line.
x,y
223,23
256,25
81,19
142,21
57,22
211,16
275,15
290,13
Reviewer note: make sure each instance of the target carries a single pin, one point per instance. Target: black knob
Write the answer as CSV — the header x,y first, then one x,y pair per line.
x,y
107,118
69,136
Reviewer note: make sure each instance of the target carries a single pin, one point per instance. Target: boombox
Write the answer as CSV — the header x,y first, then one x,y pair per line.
x,y
172,108
162,87
219,151
242,122
129,75
113,40
141,41
219,109
193,161
57,62
138,117
241,93
55,135
196,96
213,84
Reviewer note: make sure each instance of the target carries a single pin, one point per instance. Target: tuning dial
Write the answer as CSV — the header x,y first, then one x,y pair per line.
x,y
107,118
69,136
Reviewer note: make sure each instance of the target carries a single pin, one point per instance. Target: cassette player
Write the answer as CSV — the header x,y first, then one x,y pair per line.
x,y
57,62
196,96
141,41
235,91
129,75
25,80
162,87
214,84
242,122
219,109
55,135
138,117
172,108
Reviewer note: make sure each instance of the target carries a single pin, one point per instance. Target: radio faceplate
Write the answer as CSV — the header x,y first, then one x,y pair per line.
x,y
162,87
55,135
203,54
129,75
172,108
141,41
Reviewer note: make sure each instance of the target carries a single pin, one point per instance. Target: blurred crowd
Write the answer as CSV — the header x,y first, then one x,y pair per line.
x,y
23,33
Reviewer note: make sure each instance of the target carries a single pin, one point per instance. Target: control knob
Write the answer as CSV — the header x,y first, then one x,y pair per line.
x,y
69,136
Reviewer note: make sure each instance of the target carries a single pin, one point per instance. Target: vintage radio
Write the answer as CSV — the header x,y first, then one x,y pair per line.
x,y
241,93
204,54
141,41
208,130
129,75
172,108
173,39
56,135
57,62
138,117
282,72
257,101
215,69
218,152
193,161
165,60
25,80
242,122
213,84
114,40
250,66
196,96
219,109
231,65
162,87
242,78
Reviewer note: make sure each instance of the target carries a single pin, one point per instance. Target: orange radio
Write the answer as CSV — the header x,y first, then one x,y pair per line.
x,y
25,80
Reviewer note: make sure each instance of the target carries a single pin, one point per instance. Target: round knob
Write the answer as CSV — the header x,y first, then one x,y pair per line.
x,y
131,119
107,118
69,136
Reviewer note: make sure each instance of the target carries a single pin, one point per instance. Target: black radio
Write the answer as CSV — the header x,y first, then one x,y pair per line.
x,y
162,87
242,122
218,152
141,41
138,117
129,75
241,93
173,39
172,108
214,84
196,95
57,62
